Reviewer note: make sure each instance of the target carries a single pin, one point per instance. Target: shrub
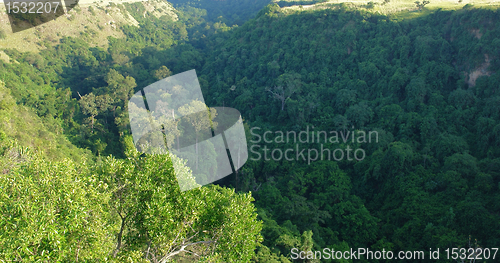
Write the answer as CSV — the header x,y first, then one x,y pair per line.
x,y
91,10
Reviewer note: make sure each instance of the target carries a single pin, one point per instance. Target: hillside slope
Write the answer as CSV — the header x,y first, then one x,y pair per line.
x,y
427,86
92,21
414,82
46,136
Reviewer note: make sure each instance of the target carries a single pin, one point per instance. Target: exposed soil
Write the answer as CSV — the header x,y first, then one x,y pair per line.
x,y
479,71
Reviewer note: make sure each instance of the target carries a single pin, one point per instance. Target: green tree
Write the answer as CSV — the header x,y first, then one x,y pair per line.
x,y
359,114
162,73
161,223
54,212
120,87
94,105
398,158
288,84
200,117
421,5
344,99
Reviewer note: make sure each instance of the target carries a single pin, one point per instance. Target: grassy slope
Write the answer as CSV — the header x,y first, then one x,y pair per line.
x,y
74,23
94,25
22,124
399,9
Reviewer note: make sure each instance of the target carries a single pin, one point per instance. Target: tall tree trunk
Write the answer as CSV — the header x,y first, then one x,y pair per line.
x,y
197,151
173,118
120,236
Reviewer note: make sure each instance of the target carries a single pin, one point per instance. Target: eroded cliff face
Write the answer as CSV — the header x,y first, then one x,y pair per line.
x,y
482,70
476,32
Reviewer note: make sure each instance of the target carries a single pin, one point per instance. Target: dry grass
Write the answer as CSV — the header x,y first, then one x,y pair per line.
x,y
75,22
166,8
399,9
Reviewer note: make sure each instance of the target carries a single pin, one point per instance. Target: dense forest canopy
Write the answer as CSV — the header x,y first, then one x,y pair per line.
x,y
74,187
235,12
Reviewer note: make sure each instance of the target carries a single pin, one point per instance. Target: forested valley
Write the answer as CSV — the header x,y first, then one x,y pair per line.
x,y
73,187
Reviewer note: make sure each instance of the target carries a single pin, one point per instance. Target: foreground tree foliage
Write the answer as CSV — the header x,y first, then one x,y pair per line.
x,y
52,211
158,219
128,210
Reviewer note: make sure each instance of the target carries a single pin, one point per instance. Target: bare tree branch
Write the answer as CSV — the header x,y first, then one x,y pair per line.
x,y
183,249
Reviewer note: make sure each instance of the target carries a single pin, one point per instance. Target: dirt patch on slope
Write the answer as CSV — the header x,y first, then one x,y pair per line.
x,y
478,72
476,33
